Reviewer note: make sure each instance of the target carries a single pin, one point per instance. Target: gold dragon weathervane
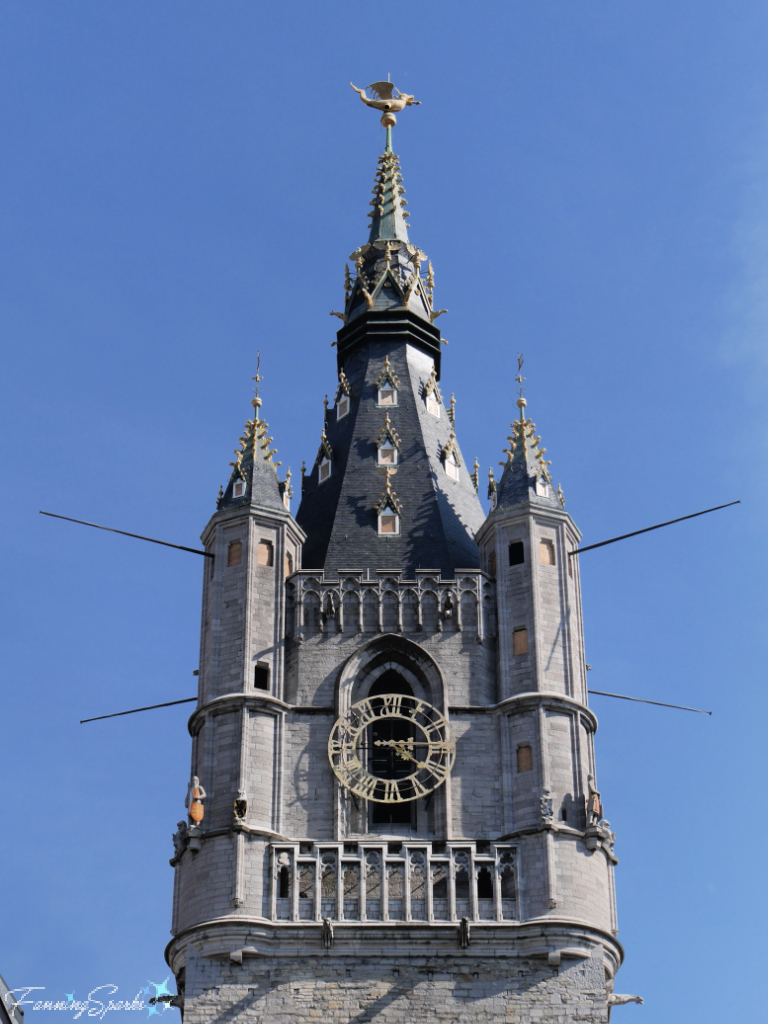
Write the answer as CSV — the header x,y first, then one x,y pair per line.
x,y
389,101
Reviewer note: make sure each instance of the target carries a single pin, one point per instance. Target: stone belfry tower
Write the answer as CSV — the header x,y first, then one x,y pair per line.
x,y
392,747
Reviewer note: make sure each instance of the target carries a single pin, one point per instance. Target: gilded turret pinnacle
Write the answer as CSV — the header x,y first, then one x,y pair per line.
x,y
254,477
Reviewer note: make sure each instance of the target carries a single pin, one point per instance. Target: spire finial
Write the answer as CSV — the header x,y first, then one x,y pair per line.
x,y
389,101
256,403
521,402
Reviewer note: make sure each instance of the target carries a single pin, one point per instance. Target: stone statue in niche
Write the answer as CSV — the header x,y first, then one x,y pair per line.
x,y
330,609
594,804
464,933
448,608
326,935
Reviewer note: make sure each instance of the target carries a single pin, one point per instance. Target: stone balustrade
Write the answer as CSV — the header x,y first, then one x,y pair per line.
x,y
388,603
393,881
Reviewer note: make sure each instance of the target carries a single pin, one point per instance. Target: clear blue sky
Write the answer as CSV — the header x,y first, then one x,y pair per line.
x,y
180,185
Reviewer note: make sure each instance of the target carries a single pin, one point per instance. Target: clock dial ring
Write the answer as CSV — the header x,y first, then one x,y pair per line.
x,y
428,750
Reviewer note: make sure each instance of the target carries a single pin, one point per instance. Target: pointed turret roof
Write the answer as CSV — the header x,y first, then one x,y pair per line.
x,y
526,476
253,467
388,218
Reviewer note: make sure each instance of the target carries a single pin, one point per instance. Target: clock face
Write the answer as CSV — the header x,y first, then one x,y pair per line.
x,y
391,748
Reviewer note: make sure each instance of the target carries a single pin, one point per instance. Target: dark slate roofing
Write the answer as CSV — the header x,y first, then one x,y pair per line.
x,y
526,476
438,515
255,468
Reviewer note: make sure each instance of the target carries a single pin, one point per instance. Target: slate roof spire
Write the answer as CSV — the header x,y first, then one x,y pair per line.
x,y
254,479
526,476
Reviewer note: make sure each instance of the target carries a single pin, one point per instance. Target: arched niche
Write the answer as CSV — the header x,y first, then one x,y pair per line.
x,y
386,654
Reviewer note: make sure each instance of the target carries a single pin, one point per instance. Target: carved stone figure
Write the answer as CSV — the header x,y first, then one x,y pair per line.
x,y
179,841
464,933
241,805
594,804
326,935
195,796
546,806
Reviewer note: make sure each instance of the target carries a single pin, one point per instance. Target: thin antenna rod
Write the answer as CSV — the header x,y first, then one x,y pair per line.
x,y
658,526
133,711
138,536
658,703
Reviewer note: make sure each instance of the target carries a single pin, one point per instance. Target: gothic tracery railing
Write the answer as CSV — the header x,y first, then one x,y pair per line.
x,y
385,881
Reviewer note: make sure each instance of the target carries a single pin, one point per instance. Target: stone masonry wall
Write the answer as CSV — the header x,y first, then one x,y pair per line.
x,y
454,989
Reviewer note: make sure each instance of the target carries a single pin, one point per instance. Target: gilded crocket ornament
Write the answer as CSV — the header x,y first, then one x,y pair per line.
x,y
388,99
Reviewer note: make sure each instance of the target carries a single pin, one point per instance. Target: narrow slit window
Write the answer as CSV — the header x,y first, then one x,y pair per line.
x,y
570,567
238,489
525,758
261,677
288,564
235,553
389,524
516,553
284,884
324,471
265,553
546,552
520,641
387,396
492,564
342,407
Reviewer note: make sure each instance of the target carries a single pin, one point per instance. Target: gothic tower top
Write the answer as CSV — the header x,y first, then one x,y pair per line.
x,y
388,486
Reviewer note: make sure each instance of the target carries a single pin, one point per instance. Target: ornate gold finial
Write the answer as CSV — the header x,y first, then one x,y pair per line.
x,y
560,495
256,403
521,402
220,494
389,100
452,410
475,474
303,467
325,411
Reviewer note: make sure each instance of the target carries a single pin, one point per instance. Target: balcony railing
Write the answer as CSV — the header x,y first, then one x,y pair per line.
x,y
381,881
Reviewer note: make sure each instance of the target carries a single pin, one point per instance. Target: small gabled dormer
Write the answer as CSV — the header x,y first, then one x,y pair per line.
x,y
387,386
432,397
324,459
388,445
343,394
451,457
388,510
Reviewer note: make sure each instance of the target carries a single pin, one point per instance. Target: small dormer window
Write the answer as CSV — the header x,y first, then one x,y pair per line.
x,y
451,468
342,407
433,406
389,523
287,500
387,396
238,489
324,471
542,487
387,454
